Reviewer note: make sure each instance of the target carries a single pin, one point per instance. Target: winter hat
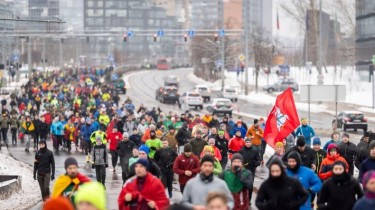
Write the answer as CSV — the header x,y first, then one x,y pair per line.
x,y
304,120
339,162
256,121
279,144
221,132
125,135
211,140
301,141
93,193
208,148
331,146
247,139
207,158
70,161
294,155
143,162
159,132
372,144
236,156
368,175
62,203
144,148
317,141
188,148
345,135
198,132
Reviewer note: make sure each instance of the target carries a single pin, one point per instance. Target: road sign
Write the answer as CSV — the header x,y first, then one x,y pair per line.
x,y
191,33
110,58
160,33
222,32
219,63
241,57
373,59
130,33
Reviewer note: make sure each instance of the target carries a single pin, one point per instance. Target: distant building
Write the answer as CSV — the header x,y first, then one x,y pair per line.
x,y
260,14
204,14
365,34
6,43
71,11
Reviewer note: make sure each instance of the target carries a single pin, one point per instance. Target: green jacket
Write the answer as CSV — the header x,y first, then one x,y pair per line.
x,y
217,168
237,181
103,135
153,145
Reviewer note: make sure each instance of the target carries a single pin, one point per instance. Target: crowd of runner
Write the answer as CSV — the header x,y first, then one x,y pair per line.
x,y
215,160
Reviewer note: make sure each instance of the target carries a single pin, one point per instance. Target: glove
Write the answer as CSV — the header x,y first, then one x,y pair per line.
x,y
106,165
34,176
93,166
52,177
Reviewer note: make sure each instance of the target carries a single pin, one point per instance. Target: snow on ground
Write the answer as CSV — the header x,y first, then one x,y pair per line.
x,y
29,195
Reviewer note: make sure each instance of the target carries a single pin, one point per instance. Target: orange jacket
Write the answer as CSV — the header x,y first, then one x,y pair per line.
x,y
327,165
256,135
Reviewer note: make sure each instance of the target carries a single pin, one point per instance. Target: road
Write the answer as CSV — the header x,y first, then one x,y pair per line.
x,y
142,87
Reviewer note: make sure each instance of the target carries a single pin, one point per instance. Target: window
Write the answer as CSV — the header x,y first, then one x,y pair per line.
x,y
90,3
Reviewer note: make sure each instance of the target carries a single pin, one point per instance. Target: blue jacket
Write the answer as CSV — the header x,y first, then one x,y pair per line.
x,y
54,128
306,131
330,142
86,131
96,125
235,129
364,203
309,180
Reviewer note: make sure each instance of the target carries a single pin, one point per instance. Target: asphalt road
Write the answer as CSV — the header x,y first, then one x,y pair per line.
x,y
142,90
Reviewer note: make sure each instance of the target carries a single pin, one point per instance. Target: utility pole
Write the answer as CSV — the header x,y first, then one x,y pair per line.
x,y
320,65
246,31
222,44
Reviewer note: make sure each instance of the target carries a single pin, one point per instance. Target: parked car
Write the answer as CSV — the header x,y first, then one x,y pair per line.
x,y
171,80
282,85
167,94
230,93
204,91
221,106
119,85
350,120
191,99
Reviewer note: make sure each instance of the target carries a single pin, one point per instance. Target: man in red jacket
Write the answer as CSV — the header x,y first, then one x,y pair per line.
x,y
114,138
186,165
236,143
143,192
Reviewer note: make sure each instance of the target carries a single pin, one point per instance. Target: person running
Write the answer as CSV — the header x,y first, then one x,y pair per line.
x,y
143,153
135,157
255,133
197,188
368,200
114,138
306,153
100,160
309,180
335,138
44,169
369,163
348,151
153,143
27,128
236,143
363,150
124,150
221,143
306,131
325,171
279,191
217,201
183,136
341,191
209,150
67,184
91,196
4,125
198,143
144,191
279,153
186,166
239,181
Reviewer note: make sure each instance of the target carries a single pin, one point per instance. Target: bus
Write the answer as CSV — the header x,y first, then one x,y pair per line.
x,y
162,64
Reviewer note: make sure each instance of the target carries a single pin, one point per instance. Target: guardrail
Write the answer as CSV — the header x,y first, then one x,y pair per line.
x,y
8,185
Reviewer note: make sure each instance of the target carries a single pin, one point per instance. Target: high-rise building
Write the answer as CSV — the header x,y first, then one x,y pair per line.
x,y
44,8
260,14
71,11
204,14
365,34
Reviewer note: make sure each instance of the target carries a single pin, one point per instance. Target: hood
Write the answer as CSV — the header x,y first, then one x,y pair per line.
x,y
294,155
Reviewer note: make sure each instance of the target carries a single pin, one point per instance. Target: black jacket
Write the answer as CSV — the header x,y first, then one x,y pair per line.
x,y
222,145
363,152
214,123
348,151
307,156
44,162
251,158
125,149
284,193
136,139
37,126
43,129
319,156
183,136
339,195
165,158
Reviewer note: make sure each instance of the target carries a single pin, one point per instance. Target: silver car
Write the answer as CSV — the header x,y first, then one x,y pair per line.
x,y
282,85
221,106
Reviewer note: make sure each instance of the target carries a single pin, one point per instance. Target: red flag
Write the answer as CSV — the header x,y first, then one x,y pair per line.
x,y
277,20
282,120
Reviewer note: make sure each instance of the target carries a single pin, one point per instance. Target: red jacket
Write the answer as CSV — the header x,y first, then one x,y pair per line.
x,y
327,165
153,190
113,141
235,145
182,164
47,116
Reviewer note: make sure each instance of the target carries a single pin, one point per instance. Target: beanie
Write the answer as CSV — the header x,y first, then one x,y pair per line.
x,y
279,144
341,163
43,142
221,132
304,120
144,148
93,193
61,202
143,162
159,132
247,139
70,161
125,135
188,148
368,175
237,156
316,141
208,148
301,141
372,144
256,121
207,158
331,146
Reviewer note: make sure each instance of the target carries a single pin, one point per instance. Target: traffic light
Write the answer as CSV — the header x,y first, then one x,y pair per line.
x,y
185,37
215,37
155,37
125,37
